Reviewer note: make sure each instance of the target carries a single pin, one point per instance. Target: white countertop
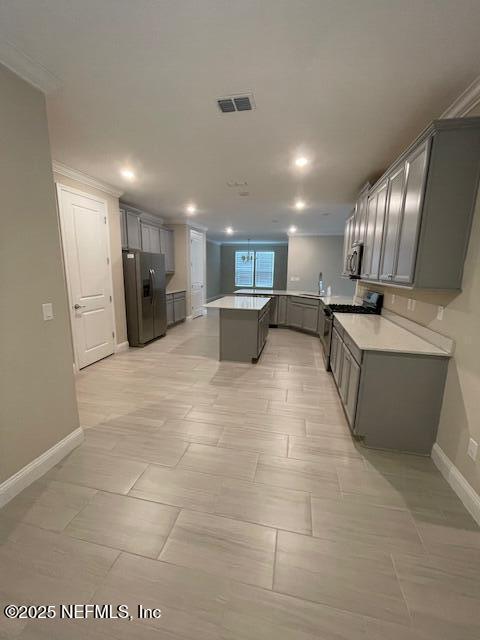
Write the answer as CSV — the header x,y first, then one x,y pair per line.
x,y
240,303
306,294
375,333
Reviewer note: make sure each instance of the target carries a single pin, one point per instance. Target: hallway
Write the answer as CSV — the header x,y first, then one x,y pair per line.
x,y
233,498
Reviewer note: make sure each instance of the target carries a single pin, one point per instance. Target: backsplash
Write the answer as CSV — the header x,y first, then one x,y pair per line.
x,y
417,305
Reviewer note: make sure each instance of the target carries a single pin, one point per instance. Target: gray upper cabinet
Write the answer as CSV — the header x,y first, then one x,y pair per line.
x,y
381,195
372,248
426,220
150,238
167,247
392,222
415,170
123,228
134,238
360,216
140,231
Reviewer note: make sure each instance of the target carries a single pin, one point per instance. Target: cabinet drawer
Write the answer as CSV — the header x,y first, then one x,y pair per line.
x,y
338,327
169,297
352,347
309,302
180,295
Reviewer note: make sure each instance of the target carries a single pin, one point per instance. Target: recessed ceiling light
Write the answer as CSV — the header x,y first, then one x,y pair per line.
x,y
191,208
301,161
299,205
229,231
127,174
292,229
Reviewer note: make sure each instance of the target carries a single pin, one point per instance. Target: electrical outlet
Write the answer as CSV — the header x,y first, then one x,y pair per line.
x,y
392,299
472,449
409,304
440,312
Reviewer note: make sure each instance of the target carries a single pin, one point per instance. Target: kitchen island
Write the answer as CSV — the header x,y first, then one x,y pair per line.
x,y
244,322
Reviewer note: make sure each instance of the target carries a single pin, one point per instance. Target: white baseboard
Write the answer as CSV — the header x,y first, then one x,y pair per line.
x,y
459,484
122,346
38,467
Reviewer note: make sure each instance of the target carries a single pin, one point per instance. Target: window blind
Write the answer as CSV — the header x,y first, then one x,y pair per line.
x,y
243,269
264,268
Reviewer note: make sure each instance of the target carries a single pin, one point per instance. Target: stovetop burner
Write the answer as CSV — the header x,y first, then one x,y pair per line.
x,y
351,308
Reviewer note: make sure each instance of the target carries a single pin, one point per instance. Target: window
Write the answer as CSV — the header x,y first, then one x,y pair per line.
x,y
258,271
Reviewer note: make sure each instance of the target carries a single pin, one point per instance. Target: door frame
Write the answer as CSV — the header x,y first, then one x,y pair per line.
x,y
59,188
204,266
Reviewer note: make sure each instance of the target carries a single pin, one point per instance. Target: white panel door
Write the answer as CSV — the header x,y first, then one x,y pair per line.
x,y
197,272
85,244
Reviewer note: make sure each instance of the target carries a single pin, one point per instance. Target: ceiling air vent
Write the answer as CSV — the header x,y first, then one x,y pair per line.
x,y
236,103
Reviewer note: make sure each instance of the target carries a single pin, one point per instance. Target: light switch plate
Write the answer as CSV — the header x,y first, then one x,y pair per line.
x,y
440,312
472,449
47,310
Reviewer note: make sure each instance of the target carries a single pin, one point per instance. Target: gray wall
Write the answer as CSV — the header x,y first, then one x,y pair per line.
x,y
213,270
307,255
37,394
228,264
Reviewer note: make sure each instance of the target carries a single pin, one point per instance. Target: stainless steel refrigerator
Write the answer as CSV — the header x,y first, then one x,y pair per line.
x,y
144,277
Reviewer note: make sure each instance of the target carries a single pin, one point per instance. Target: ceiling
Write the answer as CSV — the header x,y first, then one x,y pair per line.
x,y
346,83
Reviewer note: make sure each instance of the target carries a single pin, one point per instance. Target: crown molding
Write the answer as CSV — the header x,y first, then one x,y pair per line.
x,y
84,178
333,234
29,70
187,222
465,102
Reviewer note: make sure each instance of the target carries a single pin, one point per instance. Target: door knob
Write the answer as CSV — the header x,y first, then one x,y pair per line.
x,y
79,306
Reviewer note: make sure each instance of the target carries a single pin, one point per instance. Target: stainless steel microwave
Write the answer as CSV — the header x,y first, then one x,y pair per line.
x,y
354,260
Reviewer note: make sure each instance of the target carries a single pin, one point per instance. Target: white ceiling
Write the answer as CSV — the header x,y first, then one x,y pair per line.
x,y
348,83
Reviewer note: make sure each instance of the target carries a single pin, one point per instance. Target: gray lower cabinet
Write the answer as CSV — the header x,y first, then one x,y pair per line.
x,y
282,310
336,357
302,313
170,312
243,333
294,314
391,400
310,318
176,307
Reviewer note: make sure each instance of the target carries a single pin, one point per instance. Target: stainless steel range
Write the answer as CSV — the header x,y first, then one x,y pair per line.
x,y
371,304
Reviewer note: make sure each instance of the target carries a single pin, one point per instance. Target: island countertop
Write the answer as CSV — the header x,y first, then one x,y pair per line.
x,y
375,333
298,294
239,303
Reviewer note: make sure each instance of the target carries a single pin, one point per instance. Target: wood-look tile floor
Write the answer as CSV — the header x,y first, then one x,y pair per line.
x,y
233,498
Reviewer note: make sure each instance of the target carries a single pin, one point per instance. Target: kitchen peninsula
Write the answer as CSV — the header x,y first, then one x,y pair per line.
x,y
244,322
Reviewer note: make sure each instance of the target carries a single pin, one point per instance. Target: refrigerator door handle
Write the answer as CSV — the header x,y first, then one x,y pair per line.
x,y
152,282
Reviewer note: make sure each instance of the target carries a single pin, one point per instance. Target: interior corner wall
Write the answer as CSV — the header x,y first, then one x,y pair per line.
x,y
227,264
115,238
308,255
37,393
214,280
